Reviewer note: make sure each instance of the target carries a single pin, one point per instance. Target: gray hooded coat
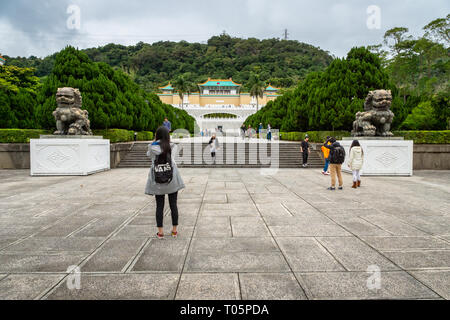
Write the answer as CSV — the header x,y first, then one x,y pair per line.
x,y
157,189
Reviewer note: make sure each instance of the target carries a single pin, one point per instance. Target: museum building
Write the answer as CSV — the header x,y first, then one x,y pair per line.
x,y
217,92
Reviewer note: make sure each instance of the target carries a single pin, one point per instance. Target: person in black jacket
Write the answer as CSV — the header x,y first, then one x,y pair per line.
x,y
305,150
243,129
335,166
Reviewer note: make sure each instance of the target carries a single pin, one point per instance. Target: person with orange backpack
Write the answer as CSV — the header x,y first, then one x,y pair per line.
x,y
337,158
326,156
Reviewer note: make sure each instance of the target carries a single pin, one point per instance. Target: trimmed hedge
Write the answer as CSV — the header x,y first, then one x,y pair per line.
x,y
20,135
122,135
419,137
114,135
425,137
314,136
144,136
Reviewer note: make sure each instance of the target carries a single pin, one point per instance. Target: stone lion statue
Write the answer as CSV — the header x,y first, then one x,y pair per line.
x,y
377,117
70,118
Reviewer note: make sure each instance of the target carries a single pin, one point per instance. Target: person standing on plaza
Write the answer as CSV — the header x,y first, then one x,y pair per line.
x,y
260,128
164,178
337,158
213,145
306,150
269,133
356,162
167,124
326,156
243,131
249,132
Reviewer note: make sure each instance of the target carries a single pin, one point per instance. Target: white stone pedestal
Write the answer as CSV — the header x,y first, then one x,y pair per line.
x,y
382,156
69,155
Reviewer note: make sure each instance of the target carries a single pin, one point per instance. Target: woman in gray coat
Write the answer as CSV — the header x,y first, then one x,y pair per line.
x,y
163,148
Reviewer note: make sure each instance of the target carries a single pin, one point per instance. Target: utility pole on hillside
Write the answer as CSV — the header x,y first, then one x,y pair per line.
x,y
286,34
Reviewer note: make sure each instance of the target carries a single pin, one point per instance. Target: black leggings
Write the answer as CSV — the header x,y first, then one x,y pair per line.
x,y
305,157
160,209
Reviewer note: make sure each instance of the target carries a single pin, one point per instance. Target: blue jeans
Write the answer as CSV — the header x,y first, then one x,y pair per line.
x,y
327,164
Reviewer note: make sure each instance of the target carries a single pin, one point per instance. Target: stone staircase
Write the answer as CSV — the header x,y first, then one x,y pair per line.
x,y
230,155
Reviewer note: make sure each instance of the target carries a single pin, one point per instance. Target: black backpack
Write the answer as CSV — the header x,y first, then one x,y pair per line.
x,y
163,169
337,155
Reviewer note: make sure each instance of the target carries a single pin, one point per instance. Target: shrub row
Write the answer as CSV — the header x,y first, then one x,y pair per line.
x,y
122,135
145,136
425,137
114,135
20,135
180,135
314,136
419,137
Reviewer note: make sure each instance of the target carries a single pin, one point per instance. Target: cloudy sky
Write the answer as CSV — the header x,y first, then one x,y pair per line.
x,y
29,27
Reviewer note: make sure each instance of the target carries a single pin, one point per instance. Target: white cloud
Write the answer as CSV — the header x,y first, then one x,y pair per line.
x,y
38,28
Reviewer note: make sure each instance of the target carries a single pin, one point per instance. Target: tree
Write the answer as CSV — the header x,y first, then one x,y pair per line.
x,y
429,52
439,30
18,89
329,99
397,36
441,110
153,65
13,79
182,85
112,99
257,89
421,118
419,66
380,52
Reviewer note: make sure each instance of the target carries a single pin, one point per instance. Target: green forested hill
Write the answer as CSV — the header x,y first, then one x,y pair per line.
x,y
279,62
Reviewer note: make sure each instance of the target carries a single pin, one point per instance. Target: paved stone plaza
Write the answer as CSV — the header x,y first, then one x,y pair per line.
x,y
243,236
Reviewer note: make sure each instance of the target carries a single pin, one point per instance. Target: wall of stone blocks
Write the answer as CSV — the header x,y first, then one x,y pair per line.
x,y
17,155
426,156
431,157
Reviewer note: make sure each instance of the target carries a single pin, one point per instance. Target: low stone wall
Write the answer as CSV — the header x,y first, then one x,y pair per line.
x,y
14,156
17,155
426,156
118,152
432,157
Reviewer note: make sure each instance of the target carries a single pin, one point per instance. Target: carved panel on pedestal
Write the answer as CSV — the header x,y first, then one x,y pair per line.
x,y
99,154
57,157
391,158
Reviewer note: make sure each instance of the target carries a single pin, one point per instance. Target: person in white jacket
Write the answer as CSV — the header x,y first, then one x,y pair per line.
x,y
356,162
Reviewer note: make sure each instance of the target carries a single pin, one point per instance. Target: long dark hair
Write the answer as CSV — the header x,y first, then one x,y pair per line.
x,y
163,136
355,143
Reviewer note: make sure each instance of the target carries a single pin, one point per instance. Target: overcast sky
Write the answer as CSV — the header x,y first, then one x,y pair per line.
x,y
29,27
